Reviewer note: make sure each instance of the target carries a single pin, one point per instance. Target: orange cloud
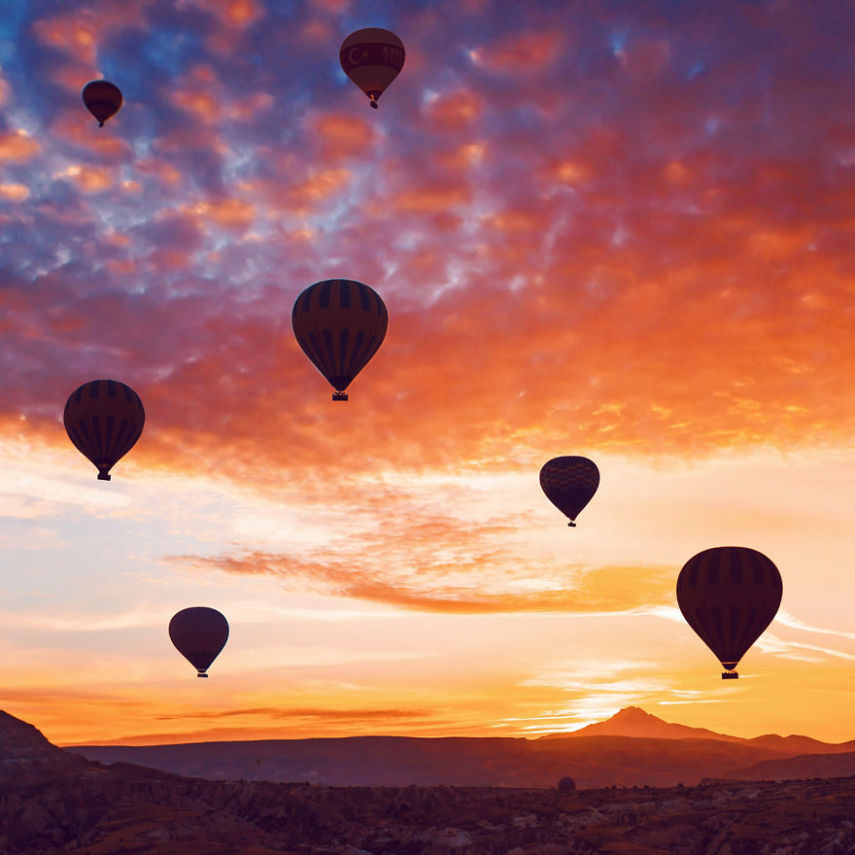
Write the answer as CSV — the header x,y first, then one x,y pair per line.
x,y
431,199
343,135
17,146
516,221
320,185
233,13
74,124
205,105
319,713
14,192
228,213
79,33
72,34
162,169
440,566
455,110
91,179
519,54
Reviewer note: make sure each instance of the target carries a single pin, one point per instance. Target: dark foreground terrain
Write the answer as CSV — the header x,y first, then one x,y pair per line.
x,y
127,809
52,801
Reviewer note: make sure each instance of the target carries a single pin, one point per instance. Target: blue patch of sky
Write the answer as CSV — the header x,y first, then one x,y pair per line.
x,y
12,16
696,69
617,40
169,49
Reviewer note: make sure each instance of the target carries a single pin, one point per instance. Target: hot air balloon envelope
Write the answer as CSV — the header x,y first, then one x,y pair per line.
x,y
372,59
569,483
199,633
728,596
103,99
104,419
340,324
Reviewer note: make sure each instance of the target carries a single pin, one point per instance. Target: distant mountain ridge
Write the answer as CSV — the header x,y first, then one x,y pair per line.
x,y
636,722
632,748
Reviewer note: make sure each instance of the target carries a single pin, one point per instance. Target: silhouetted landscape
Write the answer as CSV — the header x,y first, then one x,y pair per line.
x,y
55,801
633,748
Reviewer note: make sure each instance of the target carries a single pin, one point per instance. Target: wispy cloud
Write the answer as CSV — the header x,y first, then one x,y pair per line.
x,y
290,714
456,587
771,643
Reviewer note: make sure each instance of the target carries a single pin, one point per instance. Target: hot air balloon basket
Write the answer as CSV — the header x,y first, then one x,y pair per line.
x,y
339,396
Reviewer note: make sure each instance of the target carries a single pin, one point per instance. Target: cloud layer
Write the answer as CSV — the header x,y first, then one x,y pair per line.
x,y
629,232
617,231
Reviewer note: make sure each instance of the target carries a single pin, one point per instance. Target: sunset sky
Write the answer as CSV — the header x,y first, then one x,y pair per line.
x,y
615,229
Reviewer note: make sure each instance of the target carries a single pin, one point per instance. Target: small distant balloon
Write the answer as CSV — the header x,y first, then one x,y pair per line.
x,y
199,634
728,596
103,99
340,324
570,483
104,419
372,59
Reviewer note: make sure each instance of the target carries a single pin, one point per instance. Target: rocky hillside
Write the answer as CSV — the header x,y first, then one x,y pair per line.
x,y
25,755
124,809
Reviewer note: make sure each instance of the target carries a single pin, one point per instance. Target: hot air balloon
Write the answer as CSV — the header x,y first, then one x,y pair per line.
x,y
340,324
104,419
372,58
728,596
569,483
102,100
199,634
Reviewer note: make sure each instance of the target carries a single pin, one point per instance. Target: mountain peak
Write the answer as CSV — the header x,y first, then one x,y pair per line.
x,y
628,714
634,721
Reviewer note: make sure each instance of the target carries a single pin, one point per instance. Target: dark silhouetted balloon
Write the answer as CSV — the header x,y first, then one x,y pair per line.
x,y
102,100
372,59
728,596
340,324
104,419
199,634
569,483
566,785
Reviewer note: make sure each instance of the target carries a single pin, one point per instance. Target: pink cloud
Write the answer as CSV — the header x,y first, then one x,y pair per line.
x,y
520,54
17,146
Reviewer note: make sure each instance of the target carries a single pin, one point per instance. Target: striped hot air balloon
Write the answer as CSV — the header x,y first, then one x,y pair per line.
x,y
199,633
340,324
104,419
372,59
570,483
728,596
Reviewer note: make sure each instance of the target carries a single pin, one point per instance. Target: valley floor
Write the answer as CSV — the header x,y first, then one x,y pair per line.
x,y
122,809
